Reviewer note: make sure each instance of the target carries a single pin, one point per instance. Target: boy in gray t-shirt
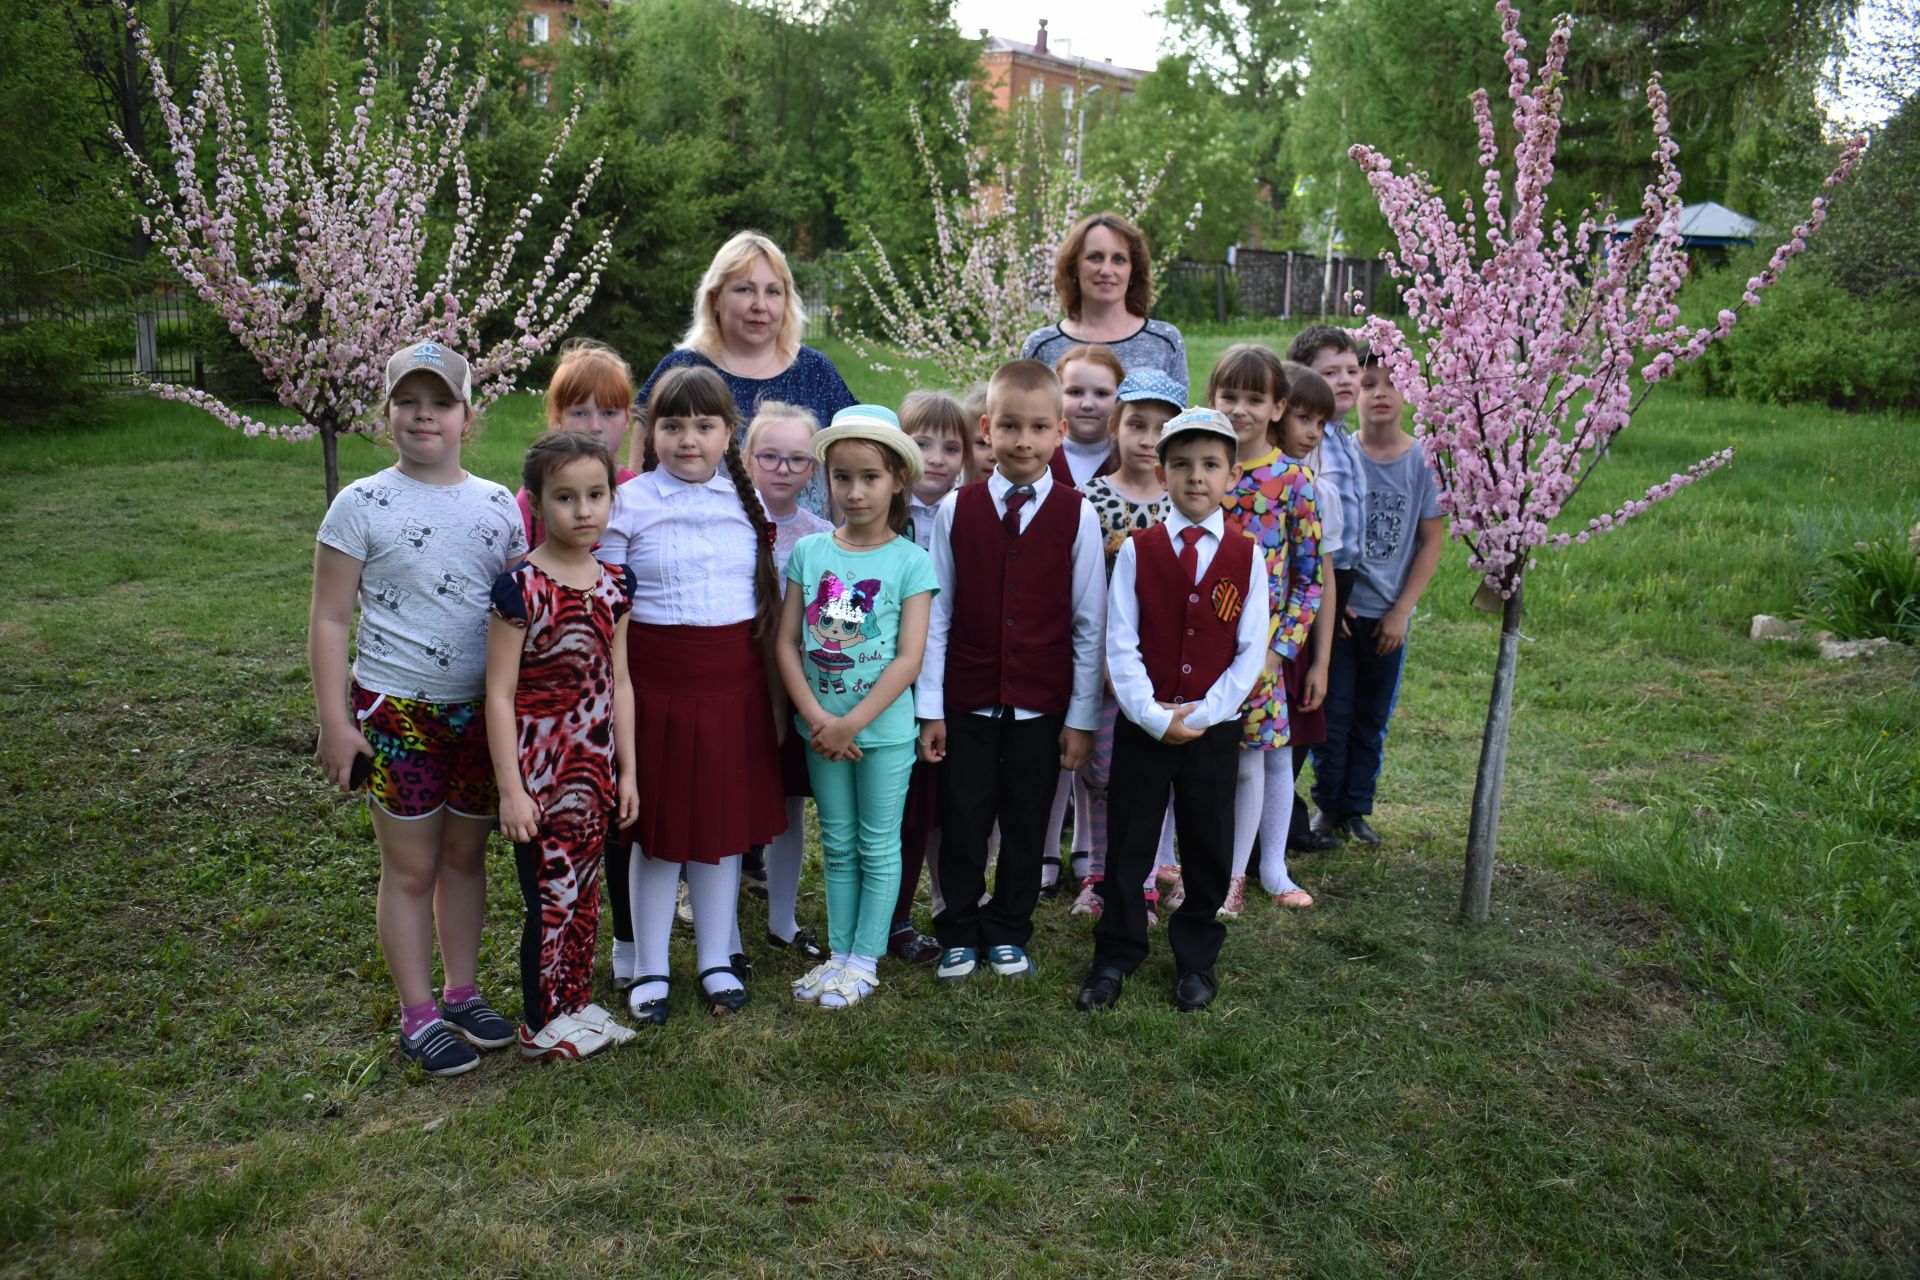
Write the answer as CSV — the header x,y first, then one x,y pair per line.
x,y
1398,535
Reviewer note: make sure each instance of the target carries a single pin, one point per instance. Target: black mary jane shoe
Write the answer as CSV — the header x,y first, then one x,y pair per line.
x,y
1194,992
804,941
1101,990
1327,826
1311,841
649,1013
725,1001
742,966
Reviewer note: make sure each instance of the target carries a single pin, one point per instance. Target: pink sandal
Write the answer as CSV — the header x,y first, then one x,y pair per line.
x,y
1294,898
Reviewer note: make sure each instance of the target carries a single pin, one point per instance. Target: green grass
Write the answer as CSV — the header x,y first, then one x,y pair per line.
x,y
1686,1045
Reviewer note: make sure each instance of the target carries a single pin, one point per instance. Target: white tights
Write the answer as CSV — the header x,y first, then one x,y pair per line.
x,y
715,890
1263,804
784,856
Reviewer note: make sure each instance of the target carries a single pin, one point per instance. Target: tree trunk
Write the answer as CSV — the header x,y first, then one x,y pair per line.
x,y
330,451
1483,829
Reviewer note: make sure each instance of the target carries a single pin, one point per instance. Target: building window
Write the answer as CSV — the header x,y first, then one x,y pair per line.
x,y
1066,97
537,84
1036,87
536,28
576,32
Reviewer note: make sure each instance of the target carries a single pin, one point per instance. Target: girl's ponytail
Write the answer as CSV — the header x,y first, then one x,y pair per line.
x,y
766,580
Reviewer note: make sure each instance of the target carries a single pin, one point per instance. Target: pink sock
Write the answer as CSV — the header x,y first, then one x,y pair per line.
x,y
415,1016
459,995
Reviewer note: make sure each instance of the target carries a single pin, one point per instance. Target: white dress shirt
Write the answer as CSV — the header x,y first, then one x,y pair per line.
x,y
1127,668
1087,599
690,546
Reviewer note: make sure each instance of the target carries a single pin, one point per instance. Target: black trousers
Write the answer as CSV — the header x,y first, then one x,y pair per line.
x,y
1000,768
1201,774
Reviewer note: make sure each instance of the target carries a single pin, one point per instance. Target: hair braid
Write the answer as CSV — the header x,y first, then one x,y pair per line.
x,y
766,582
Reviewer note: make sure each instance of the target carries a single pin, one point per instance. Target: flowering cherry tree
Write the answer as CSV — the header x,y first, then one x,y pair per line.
x,y
990,281
1530,335
320,265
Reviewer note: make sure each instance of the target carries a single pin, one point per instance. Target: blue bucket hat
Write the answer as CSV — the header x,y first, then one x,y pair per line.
x,y
1152,384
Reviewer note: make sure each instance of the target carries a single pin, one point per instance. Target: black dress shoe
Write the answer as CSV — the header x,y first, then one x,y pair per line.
x,y
649,1013
1311,841
1101,989
742,966
1360,829
1194,992
723,1001
803,941
1325,824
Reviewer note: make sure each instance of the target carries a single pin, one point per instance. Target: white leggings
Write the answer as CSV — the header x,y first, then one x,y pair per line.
x,y
715,891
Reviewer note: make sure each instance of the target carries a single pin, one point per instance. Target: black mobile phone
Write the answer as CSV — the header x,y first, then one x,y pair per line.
x,y
362,770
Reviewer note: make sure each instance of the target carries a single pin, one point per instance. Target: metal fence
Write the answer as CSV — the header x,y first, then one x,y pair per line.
x,y
1283,284
134,323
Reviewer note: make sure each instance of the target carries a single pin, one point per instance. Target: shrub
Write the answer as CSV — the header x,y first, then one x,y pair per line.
x,y
43,368
1807,341
1868,589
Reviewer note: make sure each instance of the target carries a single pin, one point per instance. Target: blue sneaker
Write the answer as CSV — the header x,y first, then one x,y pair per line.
x,y
957,964
1009,961
438,1051
476,1020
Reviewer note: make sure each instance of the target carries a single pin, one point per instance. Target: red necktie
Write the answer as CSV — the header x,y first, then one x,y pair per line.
x,y
1016,499
1190,553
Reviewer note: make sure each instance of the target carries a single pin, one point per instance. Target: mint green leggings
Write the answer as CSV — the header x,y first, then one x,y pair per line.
x,y
860,805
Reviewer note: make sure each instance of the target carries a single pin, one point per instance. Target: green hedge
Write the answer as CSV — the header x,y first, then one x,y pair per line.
x,y
1808,341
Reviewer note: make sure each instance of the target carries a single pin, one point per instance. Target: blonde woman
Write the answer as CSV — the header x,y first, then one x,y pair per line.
x,y
747,325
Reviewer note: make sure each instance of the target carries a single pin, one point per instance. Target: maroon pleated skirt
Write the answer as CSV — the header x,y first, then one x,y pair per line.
x,y
709,770
1304,728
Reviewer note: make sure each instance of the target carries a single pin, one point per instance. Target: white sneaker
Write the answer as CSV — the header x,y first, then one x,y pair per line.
x,y
808,987
564,1037
617,1032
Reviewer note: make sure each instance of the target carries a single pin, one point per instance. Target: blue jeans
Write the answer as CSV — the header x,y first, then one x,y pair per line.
x,y
1362,688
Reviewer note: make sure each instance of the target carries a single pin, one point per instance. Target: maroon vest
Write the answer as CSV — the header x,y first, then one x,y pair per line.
x,y
1187,628
1011,643
1063,471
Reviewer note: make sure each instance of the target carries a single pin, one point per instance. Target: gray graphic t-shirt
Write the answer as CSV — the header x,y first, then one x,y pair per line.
x,y
1399,495
431,553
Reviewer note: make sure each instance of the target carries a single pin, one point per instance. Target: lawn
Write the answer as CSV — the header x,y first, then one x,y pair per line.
x,y
1688,1044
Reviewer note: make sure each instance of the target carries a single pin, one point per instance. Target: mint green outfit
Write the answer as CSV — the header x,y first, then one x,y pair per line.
x,y
849,636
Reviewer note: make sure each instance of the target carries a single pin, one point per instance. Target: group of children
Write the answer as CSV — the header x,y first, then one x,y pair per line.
x,y
1072,588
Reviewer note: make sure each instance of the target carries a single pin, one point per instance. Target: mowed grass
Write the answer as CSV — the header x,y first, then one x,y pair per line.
x,y
1686,1045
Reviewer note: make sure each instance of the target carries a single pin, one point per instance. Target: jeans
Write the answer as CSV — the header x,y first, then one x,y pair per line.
x,y
1362,689
860,803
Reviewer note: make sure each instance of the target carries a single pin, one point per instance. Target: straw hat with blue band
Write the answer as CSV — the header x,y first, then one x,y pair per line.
x,y
875,424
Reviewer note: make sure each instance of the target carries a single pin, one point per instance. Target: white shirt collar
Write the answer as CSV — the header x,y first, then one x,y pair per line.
x,y
670,483
1215,523
999,486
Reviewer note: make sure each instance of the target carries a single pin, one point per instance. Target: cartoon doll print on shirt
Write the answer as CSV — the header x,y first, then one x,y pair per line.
x,y
836,621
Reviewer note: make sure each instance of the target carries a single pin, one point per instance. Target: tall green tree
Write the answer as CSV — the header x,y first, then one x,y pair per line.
x,y
1398,74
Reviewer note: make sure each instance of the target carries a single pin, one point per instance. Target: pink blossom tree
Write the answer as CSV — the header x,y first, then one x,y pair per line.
x,y
323,265
1529,339
989,282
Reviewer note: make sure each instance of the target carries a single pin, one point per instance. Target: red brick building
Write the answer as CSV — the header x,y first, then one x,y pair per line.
x,y
1037,72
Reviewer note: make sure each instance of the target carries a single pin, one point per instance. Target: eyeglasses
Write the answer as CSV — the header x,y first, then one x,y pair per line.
x,y
794,462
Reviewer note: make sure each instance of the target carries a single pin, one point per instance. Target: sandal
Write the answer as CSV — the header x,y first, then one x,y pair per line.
x,y
648,1013
807,988
846,984
913,947
724,1001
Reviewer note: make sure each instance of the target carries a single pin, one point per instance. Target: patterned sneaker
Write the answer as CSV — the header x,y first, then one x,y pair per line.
x,y
476,1020
1236,900
683,905
913,947
1153,907
957,964
566,1037
1089,904
618,1032
1009,961
438,1051
1174,889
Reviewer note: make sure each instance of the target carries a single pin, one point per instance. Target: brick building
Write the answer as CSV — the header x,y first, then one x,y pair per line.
x,y
1017,72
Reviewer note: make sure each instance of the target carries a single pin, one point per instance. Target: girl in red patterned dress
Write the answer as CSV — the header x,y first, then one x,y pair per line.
x,y
560,725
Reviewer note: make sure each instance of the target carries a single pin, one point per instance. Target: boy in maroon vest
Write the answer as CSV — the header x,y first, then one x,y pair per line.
x,y
1186,637
1009,692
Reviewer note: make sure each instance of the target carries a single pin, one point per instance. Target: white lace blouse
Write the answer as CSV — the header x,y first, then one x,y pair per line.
x,y
690,547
